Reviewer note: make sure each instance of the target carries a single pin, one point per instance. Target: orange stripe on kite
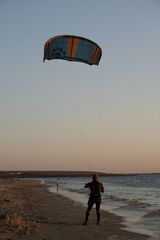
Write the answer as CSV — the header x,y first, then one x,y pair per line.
x,y
95,56
94,53
75,46
70,47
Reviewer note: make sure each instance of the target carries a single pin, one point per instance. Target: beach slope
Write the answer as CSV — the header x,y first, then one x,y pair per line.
x,y
28,211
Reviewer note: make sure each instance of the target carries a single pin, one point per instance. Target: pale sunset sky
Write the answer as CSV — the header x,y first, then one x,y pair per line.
x,y
62,115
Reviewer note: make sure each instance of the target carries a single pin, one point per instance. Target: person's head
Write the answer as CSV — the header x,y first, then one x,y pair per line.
x,y
95,176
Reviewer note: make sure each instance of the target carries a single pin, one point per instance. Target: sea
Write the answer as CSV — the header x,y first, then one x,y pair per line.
x,y
134,197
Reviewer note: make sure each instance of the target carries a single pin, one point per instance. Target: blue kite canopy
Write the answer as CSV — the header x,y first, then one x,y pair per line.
x,y
72,48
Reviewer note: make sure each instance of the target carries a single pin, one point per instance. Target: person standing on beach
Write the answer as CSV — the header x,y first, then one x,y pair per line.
x,y
95,197
57,184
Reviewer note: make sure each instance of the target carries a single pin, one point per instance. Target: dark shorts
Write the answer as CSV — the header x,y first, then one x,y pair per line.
x,y
95,199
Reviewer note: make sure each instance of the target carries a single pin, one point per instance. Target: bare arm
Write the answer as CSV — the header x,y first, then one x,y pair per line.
x,y
102,188
86,185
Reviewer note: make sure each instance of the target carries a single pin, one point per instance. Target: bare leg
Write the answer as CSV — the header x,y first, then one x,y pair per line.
x,y
98,213
90,205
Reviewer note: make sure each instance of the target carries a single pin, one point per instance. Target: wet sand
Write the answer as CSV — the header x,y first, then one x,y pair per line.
x,y
28,211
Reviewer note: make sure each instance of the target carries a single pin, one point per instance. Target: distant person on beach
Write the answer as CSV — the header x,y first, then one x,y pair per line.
x,y
57,184
95,196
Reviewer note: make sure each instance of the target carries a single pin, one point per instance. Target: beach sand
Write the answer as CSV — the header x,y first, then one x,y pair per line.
x,y
28,211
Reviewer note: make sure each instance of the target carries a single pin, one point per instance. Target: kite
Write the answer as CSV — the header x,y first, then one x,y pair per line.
x,y
72,48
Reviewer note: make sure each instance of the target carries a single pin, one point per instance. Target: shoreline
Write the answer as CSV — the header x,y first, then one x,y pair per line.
x,y
28,211
125,220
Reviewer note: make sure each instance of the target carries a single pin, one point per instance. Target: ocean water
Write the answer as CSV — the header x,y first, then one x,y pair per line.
x,y
135,197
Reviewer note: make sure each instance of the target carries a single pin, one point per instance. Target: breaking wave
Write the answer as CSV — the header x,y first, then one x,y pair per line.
x,y
153,214
130,202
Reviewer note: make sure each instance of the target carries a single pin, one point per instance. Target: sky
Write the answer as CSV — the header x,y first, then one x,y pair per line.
x,y
62,115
